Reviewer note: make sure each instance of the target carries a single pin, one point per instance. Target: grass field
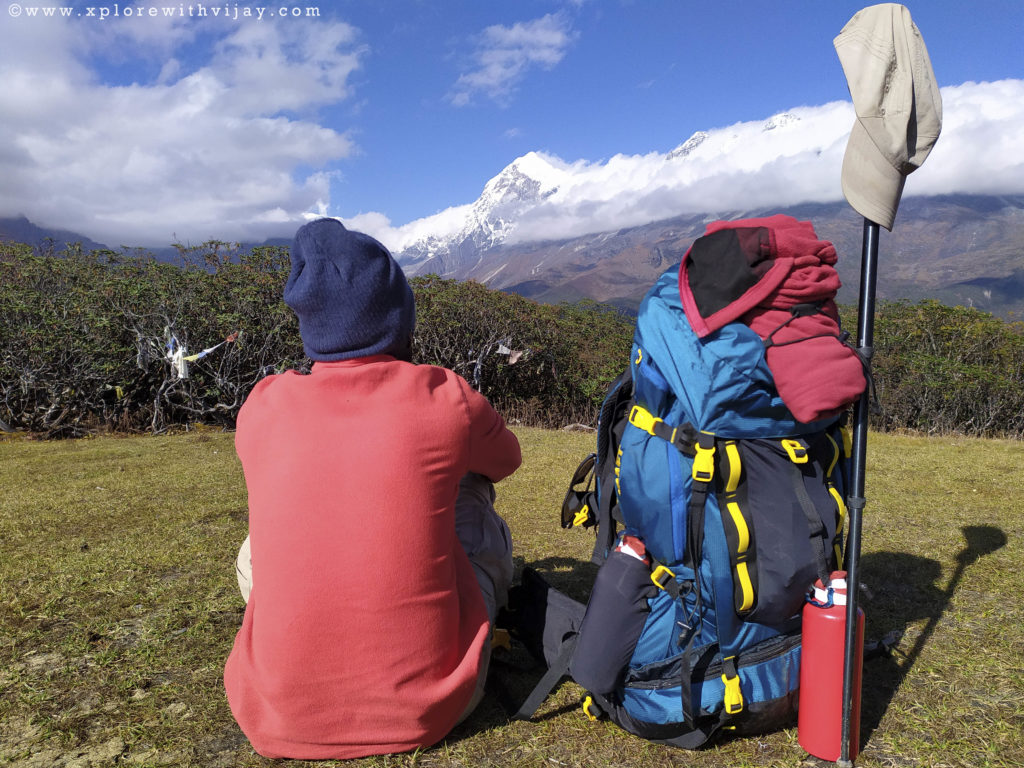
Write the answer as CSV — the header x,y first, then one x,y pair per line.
x,y
118,606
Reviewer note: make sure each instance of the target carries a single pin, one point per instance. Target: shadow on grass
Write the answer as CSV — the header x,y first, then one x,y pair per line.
x,y
566,574
906,590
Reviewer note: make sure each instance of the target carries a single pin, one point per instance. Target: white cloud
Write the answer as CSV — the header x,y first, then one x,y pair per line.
x,y
788,159
739,166
153,37
981,148
271,67
206,149
441,224
504,54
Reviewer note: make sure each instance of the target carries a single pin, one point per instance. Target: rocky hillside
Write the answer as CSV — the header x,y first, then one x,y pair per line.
x,y
958,249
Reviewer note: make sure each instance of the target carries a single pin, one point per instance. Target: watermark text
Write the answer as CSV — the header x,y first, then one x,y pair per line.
x,y
229,11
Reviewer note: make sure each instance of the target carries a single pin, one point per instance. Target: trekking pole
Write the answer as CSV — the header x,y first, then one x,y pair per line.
x,y
856,501
899,116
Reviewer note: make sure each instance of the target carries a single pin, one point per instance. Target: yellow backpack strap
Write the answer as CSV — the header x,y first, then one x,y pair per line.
x,y
682,437
704,459
738,535
703,474
591,710
733,692
837,542
796,449
700,446
664,578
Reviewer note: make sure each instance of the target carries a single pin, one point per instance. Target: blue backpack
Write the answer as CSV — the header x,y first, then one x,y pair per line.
x,y
715,511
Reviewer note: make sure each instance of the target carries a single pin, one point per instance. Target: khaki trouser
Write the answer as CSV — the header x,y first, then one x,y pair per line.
x,y
488,543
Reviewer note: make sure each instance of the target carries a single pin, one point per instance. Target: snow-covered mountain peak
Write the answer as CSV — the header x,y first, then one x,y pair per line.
x,y
688,146
530,177
521,185
780,120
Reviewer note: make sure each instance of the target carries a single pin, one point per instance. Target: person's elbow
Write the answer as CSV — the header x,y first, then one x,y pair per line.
x,y
508,458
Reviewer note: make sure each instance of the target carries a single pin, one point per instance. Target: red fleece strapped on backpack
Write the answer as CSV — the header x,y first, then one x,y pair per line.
x,y
756,271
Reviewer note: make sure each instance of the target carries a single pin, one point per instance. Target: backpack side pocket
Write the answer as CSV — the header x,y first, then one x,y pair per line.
x,y
780,521
616,614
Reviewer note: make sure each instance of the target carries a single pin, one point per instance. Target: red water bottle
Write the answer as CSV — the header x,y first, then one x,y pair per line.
x,y
821,672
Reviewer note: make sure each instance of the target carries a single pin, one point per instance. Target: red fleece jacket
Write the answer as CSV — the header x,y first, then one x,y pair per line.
x,y
816,377
365,626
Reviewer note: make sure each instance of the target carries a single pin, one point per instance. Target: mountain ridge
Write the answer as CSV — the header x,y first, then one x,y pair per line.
x,y
966,250
959,249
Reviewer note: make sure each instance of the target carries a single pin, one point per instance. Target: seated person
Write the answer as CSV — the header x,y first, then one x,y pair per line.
x,y
378,563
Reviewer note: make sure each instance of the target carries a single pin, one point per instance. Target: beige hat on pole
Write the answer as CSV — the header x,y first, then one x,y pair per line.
x,y
898,106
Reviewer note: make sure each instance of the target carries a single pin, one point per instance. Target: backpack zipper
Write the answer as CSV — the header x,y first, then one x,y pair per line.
x,y
763,651
775,646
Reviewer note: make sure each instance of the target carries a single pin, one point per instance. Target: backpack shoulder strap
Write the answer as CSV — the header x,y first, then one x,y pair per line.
x,y
558,669
547,622
615,412
596,504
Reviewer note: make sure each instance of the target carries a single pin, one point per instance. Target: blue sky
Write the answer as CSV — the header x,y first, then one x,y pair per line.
x,y
141,129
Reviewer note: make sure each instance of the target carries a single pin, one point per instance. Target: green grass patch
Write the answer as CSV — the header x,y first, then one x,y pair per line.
x,y
118,606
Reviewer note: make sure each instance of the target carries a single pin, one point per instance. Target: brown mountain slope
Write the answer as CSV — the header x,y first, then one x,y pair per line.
x,y
959,249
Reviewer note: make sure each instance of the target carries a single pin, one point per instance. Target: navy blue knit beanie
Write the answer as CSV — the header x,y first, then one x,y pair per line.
x,y
350,295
